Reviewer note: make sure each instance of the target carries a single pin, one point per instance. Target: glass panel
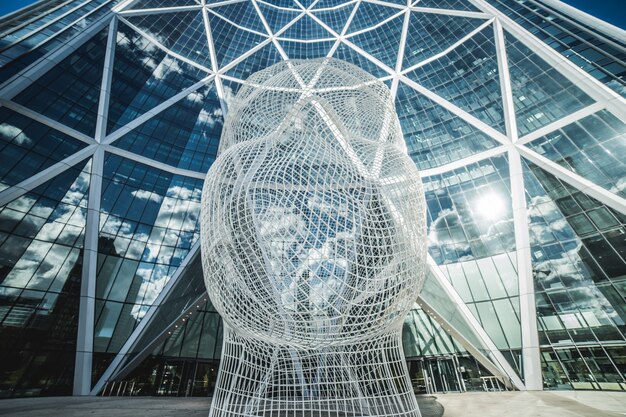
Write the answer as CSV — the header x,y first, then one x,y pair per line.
x,y
306,28
371,14
40,275
592,147
382,42
301,50
261,59
277,18
69,93
148,223
469,212
182,32
231,42
468,77
28,147
578,273
541,94
241,13
143,77
429,34
447,4
185,135
336,19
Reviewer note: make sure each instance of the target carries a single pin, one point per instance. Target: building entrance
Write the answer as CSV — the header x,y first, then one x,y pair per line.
x,y
442,375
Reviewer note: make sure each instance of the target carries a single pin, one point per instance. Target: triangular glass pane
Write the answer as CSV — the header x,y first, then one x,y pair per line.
x,y
261,59
181,32
302,50
468,77
577,260
144,76
185,135
149,220
370,14
430,33
28,147
592,147
541,94
305,28
336,19
447,4
156,4
277,18
41,252
242,13
231,42
70,92
383,42
434,135
344,52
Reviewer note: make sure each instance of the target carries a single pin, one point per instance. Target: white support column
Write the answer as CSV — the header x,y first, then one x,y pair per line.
x,y
86,317
531,359
84,343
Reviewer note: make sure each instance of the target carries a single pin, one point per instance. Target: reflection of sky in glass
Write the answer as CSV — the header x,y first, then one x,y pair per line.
x,y
148,223
469,212
54,225
572,298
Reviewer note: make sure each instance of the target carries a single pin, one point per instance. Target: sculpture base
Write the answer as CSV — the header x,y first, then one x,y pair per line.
x,y
257,378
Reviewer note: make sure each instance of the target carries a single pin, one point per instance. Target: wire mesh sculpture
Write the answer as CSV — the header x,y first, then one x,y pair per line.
x,y
313,246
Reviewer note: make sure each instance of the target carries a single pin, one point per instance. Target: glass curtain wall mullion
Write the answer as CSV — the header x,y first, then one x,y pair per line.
x,y
67,27
405,28
590,22
165,10
450,48
593,190
463,162
462,13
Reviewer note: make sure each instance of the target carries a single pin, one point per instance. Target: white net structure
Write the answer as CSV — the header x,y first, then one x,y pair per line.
x,y
313,246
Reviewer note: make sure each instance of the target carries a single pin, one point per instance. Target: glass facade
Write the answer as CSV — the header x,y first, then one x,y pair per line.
x,y
111,113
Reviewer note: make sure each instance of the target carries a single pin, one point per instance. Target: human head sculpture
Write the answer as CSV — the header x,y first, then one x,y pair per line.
x,y
313,222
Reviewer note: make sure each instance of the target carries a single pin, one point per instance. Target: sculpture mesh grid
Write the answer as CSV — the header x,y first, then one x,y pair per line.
x,y
313,244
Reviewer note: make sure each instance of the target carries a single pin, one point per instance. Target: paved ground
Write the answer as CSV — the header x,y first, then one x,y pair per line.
x,y
504,404
534,404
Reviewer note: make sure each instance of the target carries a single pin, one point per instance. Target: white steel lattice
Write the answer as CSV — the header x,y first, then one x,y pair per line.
x,y
313,244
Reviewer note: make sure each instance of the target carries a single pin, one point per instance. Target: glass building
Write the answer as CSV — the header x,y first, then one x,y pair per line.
x,y
111,113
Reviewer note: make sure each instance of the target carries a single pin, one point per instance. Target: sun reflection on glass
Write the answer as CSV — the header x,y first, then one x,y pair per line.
x,y
490,206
